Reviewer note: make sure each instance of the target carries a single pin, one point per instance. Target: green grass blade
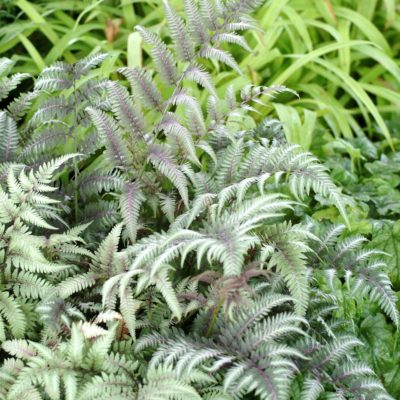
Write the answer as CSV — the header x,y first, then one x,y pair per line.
x,y
312,56
360,93
365,26
32,51
33,14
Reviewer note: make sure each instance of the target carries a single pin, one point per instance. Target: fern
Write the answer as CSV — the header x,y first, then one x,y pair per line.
x,y
26,205
363,269
116,149
170,260
264,369
9,138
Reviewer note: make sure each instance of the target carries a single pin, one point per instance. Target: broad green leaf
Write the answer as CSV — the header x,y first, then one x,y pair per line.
x,y
134,50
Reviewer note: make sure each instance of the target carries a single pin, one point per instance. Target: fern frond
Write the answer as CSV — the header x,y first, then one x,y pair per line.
x,y
105,255
123,108
13,314
330,237
75,284
143,86
312,389
290,262
51,109
243,25
168,205
305,173
19,348
7,84
162,160
27,285
55,77
129,307
115,147
197,27
212,53
181,136
20,106
83,66
93,183
225,353
239,7
130,202
373,281
164,384
8,137
192,110
45,172
5,64
44,140
179,33
198,74
209,14
162,57
232,38
102,213
228,165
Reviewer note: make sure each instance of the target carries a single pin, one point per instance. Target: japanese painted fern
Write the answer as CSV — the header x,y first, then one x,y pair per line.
x,y
184,270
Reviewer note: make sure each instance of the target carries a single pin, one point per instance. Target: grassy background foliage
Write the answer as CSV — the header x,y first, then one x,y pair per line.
x,y
341,56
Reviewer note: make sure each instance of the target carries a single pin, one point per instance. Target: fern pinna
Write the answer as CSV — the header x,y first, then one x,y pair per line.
x,y
170,260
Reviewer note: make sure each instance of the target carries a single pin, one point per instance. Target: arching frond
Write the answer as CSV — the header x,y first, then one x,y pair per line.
x,y
179,34
142,85
126,112
162,160
108,130
8,137
163,59
130,202
213,53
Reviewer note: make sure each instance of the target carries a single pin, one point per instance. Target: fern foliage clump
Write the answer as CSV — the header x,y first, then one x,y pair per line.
x,y
28,270
14,110
170,258
269,352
